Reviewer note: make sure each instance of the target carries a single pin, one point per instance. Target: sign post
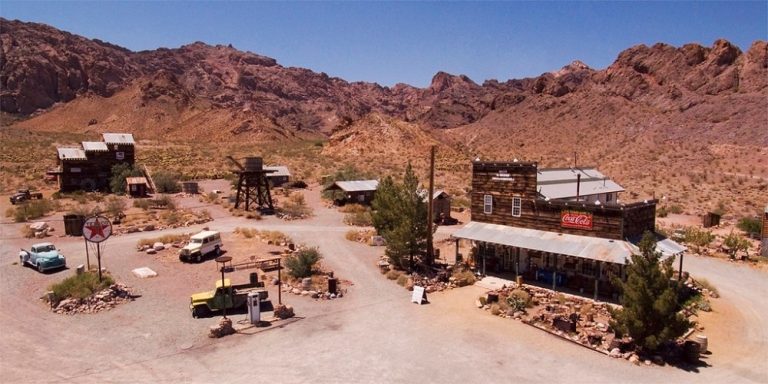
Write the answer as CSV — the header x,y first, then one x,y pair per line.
x,y
96,229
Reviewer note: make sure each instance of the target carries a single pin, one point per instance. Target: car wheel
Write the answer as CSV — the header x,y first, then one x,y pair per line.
x,y
40,268
21,261
217,251
199,258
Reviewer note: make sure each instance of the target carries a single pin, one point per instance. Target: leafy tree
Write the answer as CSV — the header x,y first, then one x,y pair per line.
x,y
119,173
400,216
166,182
650,303
735,243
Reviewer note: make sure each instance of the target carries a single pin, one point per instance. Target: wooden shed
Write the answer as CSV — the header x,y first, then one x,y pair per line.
x,y
710,219
136,186
441,206
354,191
280,176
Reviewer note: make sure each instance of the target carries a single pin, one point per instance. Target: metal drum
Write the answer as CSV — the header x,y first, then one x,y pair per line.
x,y
190,187
703,343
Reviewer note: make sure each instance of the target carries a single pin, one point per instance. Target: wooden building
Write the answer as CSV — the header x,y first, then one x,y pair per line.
x,y
89,167
710,219
563,242
354,191
764,235
136,186
280,176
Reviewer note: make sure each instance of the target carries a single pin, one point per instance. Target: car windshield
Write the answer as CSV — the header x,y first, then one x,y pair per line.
x,y
196,241
46,248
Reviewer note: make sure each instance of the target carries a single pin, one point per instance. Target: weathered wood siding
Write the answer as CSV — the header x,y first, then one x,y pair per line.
x,y
504,181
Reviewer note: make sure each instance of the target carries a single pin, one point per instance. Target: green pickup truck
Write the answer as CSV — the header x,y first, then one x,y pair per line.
x,y
226,295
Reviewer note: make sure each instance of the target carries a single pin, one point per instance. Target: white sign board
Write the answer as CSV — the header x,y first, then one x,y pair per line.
x,y
97,229
419,295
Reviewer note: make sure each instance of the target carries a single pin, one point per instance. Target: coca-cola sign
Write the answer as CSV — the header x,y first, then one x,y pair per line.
x,y
576,219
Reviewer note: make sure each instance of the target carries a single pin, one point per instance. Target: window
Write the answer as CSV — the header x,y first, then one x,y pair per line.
x,y
487,204
120,155
517,206
608,197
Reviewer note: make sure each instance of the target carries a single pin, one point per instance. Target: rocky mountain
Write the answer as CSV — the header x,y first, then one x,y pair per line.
x,y
657,110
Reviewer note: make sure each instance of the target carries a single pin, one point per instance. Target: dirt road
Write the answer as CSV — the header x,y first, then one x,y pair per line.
x,y
374,334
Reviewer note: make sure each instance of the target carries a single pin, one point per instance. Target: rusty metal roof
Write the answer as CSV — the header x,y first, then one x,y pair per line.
x,y
118,138
71,154
594,248
356,185
136,180
96,146
279,170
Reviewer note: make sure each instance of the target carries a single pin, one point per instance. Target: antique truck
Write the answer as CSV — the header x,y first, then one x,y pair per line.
x,y
23,195
223,296
43,256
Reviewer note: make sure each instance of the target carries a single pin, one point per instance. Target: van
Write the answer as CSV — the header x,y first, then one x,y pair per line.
x,y
201,245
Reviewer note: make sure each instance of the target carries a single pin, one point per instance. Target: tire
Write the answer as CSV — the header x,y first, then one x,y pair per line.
x,y
21,261
199,311
217,251
40,268
199,258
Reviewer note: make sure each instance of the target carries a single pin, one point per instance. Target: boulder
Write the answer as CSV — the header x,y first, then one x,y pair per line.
x,y
148,227
615,353
158,246
151,251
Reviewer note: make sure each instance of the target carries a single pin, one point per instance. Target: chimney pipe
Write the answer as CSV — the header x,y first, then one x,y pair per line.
x,y
578,184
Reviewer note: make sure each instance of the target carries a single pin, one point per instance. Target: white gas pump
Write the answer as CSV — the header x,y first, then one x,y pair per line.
x,y
254,308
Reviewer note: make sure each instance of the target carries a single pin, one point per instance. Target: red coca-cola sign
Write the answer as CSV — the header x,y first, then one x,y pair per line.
x,y
576,219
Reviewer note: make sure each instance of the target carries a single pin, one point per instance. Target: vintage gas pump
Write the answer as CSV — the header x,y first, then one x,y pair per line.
x,y
254,308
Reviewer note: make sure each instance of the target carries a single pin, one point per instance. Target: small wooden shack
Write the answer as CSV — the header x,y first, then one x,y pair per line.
x,y
136,186
441,205
710,219
280,176
354,191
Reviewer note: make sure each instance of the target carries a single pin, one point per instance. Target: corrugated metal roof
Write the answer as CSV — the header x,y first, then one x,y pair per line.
x,y
136,180
567,189
71,154
280,170
667,247
118,138
546,175
594,248
357,185
97,146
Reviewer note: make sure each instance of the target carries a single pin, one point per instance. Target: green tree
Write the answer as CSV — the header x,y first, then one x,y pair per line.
x,y
302,262
119,173
166,182
750,225
400,216
650,307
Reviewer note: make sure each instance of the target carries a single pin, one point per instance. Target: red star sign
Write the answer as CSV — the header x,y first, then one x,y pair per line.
x,y
97,229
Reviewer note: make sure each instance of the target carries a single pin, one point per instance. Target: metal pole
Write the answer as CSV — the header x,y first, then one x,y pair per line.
x,y
554,273
430,208
224,299
87,256
680,272
279,284
597,278
98,257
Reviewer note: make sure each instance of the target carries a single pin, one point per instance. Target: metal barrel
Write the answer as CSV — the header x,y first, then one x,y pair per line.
x,y
254,164
703,343
190,187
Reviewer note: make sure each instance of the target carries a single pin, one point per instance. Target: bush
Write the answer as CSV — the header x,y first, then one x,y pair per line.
x,y
115,206
402,280
483,300
172,217
80,286
248,233
704,283
33,209
359,219
119,173
27,232
144,204
296,206
750,225
164,201
302,262
464,278
166,182
393,274
165,239
519,299
495,309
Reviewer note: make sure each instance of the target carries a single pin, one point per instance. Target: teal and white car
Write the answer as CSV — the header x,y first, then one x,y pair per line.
x,y
43,256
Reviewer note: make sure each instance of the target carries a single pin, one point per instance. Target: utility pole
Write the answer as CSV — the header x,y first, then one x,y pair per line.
x,y
430,208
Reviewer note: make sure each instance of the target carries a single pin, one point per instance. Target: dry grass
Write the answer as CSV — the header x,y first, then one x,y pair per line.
x,y
165,239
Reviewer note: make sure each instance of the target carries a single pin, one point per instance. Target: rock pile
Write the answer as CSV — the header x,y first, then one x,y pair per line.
x,y
100,301
223,328
315,294
284,312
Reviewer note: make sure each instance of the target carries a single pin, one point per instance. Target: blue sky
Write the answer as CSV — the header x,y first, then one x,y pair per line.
x,y
391,42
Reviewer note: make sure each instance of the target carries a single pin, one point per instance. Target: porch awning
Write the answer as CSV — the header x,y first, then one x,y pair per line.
x,y
593,248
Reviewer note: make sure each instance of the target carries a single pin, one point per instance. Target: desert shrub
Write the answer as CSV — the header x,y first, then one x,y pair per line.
x,y
298,184
750,225
351,235
675,209
210,197
402,280
302,262
166,182
359,219
115,206
464,278
164,201
697,238
248,233
295,206
119,173
393,274
704,283
172,217
518,299
144,204
353,208
483,300
33,209
495,309
10,212
165,239
80,286
276,237
662,211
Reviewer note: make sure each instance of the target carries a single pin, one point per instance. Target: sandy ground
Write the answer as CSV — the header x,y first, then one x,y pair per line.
x,y
374,334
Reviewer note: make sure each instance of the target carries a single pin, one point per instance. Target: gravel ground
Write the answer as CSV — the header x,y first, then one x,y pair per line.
x,y
371,335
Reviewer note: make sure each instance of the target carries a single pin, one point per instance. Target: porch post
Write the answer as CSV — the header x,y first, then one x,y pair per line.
x,y
554,273
680,272
517,262
456,258
597,278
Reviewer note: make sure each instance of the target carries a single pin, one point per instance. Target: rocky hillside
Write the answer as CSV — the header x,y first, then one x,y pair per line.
x,y
658,119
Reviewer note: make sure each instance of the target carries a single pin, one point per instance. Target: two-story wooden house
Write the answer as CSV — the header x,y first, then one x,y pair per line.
x,y
563,239
89,167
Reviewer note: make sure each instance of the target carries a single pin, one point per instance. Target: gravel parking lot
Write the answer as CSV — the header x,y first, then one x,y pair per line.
x,y
371,335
